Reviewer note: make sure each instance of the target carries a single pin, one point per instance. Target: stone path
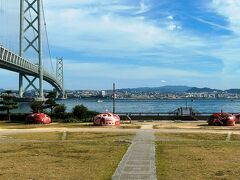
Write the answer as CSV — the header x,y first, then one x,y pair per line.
x,y
139,160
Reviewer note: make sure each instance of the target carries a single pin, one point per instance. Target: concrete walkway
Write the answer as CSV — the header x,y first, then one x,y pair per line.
x,y
139,160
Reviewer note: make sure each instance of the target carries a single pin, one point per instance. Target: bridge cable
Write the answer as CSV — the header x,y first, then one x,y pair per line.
x,y
46,33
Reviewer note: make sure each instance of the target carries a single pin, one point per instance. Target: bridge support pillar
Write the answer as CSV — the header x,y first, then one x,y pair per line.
x,y
59,75
30,21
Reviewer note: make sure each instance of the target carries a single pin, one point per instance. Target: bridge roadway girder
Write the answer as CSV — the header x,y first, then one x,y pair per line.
x,y
12,62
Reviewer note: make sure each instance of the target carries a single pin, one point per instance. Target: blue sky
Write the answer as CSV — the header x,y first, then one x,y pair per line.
x,y
138,43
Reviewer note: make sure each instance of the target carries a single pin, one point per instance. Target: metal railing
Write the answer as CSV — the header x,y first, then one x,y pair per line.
x,y
165,113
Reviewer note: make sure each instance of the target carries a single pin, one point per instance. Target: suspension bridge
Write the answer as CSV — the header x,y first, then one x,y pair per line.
x,y
31,21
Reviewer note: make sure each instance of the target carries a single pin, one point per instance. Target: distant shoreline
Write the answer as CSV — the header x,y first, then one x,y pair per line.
x,y
190,99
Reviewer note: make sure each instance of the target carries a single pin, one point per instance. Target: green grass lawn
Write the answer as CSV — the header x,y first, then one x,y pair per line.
x,y
80,156
192,125
9,125
197,156
192,136
130,126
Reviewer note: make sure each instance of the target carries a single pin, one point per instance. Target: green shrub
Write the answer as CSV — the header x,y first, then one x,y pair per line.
x,y
80,111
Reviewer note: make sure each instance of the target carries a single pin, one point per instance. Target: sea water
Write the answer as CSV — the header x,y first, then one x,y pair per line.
x,y
148,106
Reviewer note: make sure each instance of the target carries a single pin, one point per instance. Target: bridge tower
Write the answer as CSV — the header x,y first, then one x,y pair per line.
x,y
59,74
31,41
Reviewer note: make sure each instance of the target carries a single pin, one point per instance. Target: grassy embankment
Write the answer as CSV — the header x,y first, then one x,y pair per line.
x,y
63,156
10,125
192,125
197,156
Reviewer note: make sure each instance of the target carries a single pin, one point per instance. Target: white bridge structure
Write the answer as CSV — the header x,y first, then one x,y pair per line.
x,y
13,62
30,41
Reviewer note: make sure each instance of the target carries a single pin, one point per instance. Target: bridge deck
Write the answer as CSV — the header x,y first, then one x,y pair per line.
x,y
13,62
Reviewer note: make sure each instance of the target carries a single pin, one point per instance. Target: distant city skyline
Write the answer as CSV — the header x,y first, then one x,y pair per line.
x,y
142,43
163,89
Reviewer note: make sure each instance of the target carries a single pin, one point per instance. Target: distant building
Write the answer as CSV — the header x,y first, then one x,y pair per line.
x,y
103,93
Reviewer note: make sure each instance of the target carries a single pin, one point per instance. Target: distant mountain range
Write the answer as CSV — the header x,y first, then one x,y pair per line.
x,y
201,90
163,89
178,89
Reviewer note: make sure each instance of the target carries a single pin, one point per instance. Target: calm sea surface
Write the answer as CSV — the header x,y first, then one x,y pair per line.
x,y
207,106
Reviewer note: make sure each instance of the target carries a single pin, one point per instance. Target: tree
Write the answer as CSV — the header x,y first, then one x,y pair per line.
x,y
7,103
51,103
80,111
37,106
60,110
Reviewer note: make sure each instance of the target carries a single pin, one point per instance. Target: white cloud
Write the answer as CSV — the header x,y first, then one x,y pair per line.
x,y
143,7
228,51
114,34
229,9
228,46
170,17
210,23
172,24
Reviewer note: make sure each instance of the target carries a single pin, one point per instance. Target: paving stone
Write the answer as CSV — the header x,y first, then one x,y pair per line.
x,y
137,169
135,176
139,161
